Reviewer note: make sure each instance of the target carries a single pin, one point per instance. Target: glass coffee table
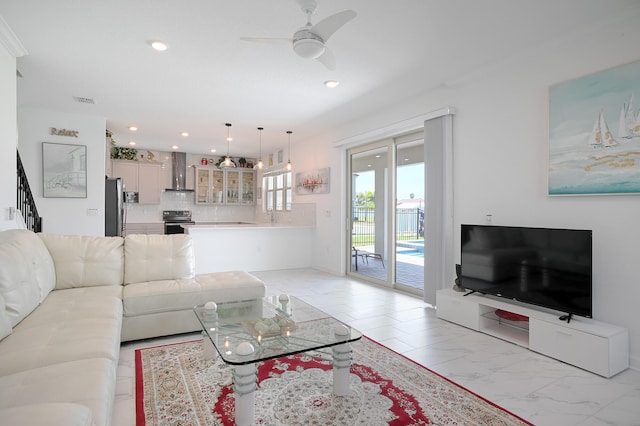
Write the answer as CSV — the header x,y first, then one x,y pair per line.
x,y
246,332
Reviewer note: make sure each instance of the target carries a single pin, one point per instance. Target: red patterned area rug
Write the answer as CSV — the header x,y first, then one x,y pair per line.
x,y
176,386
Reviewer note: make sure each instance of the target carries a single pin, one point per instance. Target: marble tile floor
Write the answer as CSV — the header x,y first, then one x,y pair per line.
x,y
537,388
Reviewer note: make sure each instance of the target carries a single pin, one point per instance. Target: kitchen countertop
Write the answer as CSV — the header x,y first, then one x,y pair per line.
x,y
239,225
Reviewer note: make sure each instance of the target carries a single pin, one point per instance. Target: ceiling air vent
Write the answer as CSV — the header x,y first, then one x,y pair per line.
x,y
82,100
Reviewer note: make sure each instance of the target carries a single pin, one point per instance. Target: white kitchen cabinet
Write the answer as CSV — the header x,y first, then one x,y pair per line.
x,y
240,186
151,228
149,190
141,177
209,185
585,343
233,186
128,171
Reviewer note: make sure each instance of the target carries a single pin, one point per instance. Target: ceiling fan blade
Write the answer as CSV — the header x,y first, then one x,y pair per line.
x,y
327,59
333,23
267,40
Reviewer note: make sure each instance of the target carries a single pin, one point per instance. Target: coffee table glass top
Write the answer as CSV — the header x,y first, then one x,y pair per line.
x,y
274,326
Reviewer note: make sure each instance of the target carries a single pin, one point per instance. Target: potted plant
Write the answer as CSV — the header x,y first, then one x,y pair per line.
x,y
120,153
242,161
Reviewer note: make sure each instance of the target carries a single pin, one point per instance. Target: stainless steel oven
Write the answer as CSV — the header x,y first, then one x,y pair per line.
x,y
174,219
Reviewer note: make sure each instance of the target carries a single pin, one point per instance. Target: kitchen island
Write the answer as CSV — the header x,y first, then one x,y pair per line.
x,y
248,246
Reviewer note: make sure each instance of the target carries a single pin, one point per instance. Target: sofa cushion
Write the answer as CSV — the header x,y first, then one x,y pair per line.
x,y
47,414
27,274
70,325
158,257
5,322
88,382
84,261
175,295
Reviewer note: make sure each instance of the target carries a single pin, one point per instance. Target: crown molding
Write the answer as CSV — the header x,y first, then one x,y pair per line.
x,y
10,40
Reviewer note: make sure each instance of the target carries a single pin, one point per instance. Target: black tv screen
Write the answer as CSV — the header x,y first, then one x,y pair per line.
x,y
541,266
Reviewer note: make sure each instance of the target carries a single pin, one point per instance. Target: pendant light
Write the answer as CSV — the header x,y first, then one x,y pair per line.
x,y
260,164
227,161
289,166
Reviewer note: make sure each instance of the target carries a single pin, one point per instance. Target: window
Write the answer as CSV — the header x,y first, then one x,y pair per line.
x,y
278,191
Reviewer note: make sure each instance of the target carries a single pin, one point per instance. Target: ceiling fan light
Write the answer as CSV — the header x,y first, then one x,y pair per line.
x,y
308,48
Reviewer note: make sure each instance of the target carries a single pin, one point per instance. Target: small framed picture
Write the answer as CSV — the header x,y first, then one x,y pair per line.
x,y
280,157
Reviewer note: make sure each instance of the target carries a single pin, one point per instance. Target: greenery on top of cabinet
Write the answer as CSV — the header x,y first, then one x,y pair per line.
x,y
121,153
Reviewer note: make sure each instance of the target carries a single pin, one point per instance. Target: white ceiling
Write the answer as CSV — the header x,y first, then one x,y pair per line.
x,y
391,51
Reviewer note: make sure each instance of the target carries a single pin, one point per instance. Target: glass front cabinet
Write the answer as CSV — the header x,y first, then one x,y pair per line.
x,y
233,186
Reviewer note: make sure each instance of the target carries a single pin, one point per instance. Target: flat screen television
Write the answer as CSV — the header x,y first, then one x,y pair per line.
x,y
546,267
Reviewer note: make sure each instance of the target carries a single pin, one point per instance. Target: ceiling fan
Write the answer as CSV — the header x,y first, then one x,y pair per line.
x,y
310,41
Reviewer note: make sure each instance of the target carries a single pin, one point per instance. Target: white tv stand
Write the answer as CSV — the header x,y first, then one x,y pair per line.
x,y
591,345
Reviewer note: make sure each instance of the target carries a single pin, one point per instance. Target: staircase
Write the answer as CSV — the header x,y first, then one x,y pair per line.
x,y
26,203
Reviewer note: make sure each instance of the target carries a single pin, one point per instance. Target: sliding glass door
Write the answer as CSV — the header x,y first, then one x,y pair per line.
x,y
409,213
368,242
386,241
400,207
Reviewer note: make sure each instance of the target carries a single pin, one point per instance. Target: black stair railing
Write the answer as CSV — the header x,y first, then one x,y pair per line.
x,y
26,203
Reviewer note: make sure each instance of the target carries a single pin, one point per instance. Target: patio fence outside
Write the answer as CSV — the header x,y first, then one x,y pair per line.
x,y
409,225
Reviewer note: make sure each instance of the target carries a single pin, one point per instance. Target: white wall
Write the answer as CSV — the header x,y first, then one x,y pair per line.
x,y
500,163
8,139
65,215
329,208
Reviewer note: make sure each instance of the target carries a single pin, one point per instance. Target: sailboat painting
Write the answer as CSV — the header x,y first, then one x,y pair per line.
x,y
594,133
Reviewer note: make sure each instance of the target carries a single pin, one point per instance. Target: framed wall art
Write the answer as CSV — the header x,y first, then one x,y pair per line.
x,y
313,182
594,134
64,170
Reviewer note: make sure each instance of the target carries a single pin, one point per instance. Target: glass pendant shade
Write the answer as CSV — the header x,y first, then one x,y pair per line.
x,y
289,165
227,160
260,164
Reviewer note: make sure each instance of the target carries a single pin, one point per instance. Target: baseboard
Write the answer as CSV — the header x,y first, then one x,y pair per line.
x,y
634,363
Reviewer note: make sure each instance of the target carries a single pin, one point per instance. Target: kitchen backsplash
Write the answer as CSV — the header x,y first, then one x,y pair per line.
x,y
301,215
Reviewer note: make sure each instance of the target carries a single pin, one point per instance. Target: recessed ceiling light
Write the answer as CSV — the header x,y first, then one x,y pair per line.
x,y
133,128
331,83
132,143
174,147
213,150
378,156
185,134
158,45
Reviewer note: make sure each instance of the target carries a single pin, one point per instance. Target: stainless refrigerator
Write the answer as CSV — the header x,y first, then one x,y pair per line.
x,y
113,208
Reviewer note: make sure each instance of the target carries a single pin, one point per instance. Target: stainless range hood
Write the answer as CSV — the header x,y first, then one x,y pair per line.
x,y
179,172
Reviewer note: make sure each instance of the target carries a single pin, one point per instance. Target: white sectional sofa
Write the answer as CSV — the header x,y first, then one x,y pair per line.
x,y
66,304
